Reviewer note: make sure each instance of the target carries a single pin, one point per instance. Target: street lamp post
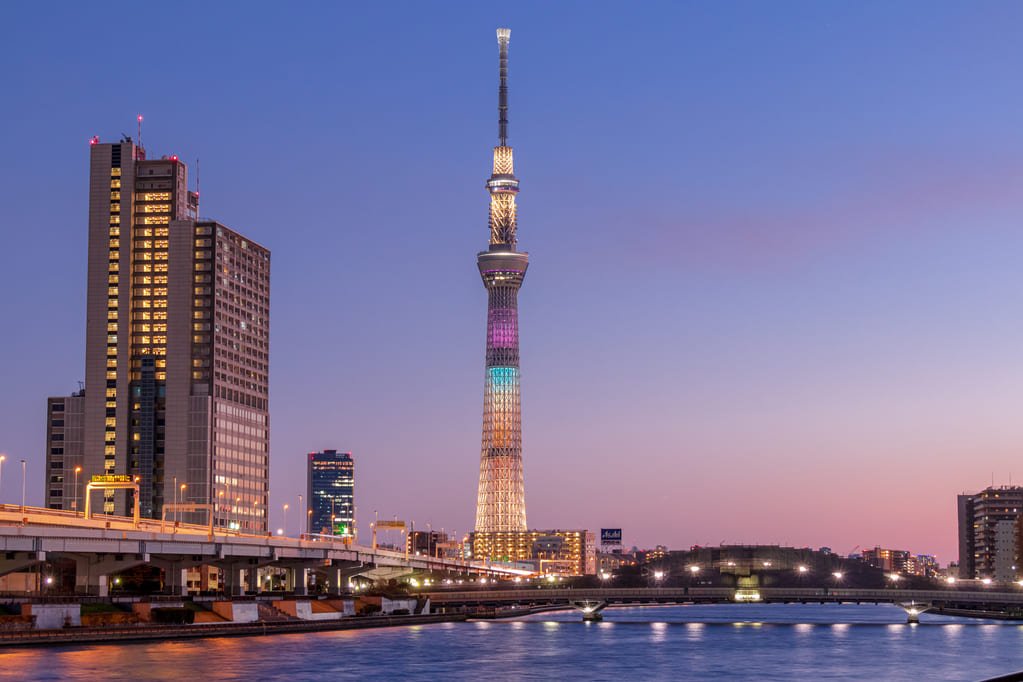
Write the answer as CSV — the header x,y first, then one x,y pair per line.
x,y
284,523
22,487
308,522
2,458
74,504
300,509
237,514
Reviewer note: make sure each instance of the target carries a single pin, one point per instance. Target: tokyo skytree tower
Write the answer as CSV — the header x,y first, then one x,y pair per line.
x,y
501,503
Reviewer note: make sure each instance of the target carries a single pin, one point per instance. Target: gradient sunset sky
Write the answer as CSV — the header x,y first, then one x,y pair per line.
x,y
774,293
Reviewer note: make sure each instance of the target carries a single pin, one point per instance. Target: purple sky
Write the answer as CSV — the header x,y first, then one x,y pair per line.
x,y
774,291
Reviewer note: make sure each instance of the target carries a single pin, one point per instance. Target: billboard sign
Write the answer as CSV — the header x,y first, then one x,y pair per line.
x,y
111,478
611,536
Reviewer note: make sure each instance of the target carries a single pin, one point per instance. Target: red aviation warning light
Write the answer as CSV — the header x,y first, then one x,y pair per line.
x,y
174,157
94,140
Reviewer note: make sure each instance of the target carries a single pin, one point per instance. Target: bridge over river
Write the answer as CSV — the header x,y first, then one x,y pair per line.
x,y
993,603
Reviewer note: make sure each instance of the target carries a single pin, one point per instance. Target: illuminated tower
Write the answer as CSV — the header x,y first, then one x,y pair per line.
x,y
501,503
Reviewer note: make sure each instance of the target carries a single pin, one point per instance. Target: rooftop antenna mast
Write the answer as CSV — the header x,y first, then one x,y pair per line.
x,y
197,187
503,36
140,130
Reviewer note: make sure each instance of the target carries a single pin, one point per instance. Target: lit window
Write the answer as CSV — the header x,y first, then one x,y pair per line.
x,y
115,183
161,363
115,195
159,327
160,303
160,255
111,421
160,315
108,450
111,327
161,231
161,376
111,392
160,280
153,220
161,244
115,172
112,279
156,196
115,220
115,207
111,403
159,291
160,267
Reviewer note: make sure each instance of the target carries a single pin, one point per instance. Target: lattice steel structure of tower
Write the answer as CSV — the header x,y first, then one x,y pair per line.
x,y
501,504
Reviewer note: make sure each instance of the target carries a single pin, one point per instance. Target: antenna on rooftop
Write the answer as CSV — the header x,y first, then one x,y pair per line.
x,y
140,130
197,187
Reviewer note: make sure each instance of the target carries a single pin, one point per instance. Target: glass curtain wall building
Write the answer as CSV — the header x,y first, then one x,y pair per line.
x,y
331,493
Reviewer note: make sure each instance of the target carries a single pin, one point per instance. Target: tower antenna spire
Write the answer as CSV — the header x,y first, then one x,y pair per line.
x,y
140,130
503,36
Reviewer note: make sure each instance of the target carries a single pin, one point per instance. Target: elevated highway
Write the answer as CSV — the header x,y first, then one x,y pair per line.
x,y
105,545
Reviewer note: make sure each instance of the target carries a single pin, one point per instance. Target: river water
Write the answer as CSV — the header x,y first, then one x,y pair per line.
x,y
699,642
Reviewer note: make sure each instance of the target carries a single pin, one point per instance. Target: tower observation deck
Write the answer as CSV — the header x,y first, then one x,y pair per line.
x,y
501,503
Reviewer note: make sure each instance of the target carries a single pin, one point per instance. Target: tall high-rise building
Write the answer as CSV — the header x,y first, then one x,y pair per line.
x,y
331,493
987,542
177,346
501,502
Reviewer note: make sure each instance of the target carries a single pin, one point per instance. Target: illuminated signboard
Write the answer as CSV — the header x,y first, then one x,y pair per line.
x,y
341,528
390,524
610,536
111,478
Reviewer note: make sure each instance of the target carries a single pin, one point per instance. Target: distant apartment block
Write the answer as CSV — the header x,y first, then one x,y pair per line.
x,y
65,429
987,535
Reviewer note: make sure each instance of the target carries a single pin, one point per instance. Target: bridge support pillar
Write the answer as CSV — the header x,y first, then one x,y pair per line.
x,y
913,610
590,608
176,581
234,580
301,581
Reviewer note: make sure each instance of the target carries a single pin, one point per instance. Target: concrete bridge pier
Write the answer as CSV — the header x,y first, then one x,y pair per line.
x,y
913,610
301,581
234,579
590,608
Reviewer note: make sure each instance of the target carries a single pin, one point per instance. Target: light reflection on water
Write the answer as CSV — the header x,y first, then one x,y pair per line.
x,y
680,642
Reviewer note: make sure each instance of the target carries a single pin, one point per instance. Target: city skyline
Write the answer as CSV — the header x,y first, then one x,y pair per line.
x,y
785,281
